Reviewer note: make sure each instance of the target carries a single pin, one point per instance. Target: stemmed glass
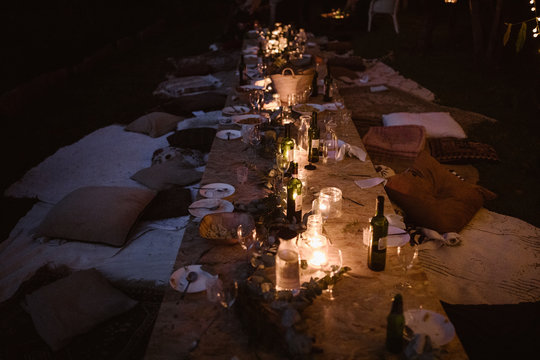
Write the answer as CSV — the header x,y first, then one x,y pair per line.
x,y
254,139
256,99
406,255
224,293
332,267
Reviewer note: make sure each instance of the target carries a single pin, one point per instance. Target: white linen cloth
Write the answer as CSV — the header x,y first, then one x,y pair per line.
x,y
107,157
351,150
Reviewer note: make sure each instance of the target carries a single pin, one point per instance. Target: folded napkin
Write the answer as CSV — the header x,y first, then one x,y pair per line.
x,y
428,238
397,234
351,150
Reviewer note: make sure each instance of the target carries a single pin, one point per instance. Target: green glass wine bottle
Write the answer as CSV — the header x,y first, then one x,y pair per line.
x,y
395,324
294,195
287,144
378,230
314,134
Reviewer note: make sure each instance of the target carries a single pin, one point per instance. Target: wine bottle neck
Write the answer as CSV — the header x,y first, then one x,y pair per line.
x,y
380,206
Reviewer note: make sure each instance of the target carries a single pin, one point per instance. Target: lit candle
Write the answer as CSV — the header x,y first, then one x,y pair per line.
x,y
318,245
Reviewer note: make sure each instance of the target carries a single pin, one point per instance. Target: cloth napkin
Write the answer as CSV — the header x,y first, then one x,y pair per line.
x,y
431,239
351,150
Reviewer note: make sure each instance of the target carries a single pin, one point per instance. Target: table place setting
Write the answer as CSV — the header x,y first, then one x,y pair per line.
x,y
216,190
235,110
202,207
228,134
179,280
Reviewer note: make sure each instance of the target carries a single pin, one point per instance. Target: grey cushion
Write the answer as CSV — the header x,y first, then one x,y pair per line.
x,y
74,305
155,124
98,214
166,175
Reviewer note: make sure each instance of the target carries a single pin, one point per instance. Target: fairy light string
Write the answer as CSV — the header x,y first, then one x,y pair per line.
x,y
536,19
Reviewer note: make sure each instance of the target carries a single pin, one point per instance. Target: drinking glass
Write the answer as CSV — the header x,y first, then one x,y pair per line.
x,y
224,293
406,255
332,267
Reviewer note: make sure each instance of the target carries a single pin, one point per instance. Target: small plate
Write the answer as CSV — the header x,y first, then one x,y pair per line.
x,y
243,119
235,110
216,190
204,206
421,321
178,279
307,109
228,134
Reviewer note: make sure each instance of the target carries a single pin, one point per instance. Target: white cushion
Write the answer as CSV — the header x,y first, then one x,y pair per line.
x,y
437,124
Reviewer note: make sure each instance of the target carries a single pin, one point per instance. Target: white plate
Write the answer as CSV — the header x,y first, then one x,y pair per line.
x,y
216,190
307,109
235,110
178,279
201,207
421,321
237,119
228,134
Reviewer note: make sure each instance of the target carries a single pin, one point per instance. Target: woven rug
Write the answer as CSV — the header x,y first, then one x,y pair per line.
x,y
122,337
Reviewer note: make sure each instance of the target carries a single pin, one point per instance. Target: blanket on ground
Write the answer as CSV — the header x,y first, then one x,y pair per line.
x,y
108,156
496,262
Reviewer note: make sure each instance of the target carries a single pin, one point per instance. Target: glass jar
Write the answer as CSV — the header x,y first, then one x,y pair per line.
x,y
335,200
287,265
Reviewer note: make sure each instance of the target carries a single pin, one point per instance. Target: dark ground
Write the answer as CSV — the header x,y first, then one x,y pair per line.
x,y
119,89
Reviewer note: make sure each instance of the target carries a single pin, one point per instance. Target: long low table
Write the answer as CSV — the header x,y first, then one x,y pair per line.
x,y
352,326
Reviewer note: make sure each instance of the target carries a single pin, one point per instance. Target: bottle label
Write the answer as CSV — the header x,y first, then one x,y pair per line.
x,y
315,143
382,243
298,203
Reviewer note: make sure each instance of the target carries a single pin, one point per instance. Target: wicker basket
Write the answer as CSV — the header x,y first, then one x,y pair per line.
x,y
291,84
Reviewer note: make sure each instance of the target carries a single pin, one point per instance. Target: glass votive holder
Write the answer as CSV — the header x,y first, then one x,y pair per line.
x,y
335,200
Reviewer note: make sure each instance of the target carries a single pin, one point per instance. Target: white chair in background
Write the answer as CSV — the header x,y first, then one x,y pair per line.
x,y
389,7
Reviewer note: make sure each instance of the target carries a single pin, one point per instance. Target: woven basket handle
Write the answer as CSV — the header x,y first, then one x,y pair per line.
x,y
291,70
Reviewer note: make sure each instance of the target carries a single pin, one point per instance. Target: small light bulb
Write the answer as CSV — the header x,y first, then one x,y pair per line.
x,y
531,2
535,35
533,9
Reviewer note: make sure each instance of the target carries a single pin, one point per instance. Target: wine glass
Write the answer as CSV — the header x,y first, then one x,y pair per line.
x,y
246,238
255,99
331,268
406,255
224,293
254,139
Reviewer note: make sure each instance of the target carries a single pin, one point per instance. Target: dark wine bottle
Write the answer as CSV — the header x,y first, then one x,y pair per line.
x,y
314,84
395,323
294,195
378,230
328,85
287,144
314,134
242,71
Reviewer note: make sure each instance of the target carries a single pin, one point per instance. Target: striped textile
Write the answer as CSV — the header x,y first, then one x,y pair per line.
x,y
496,263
